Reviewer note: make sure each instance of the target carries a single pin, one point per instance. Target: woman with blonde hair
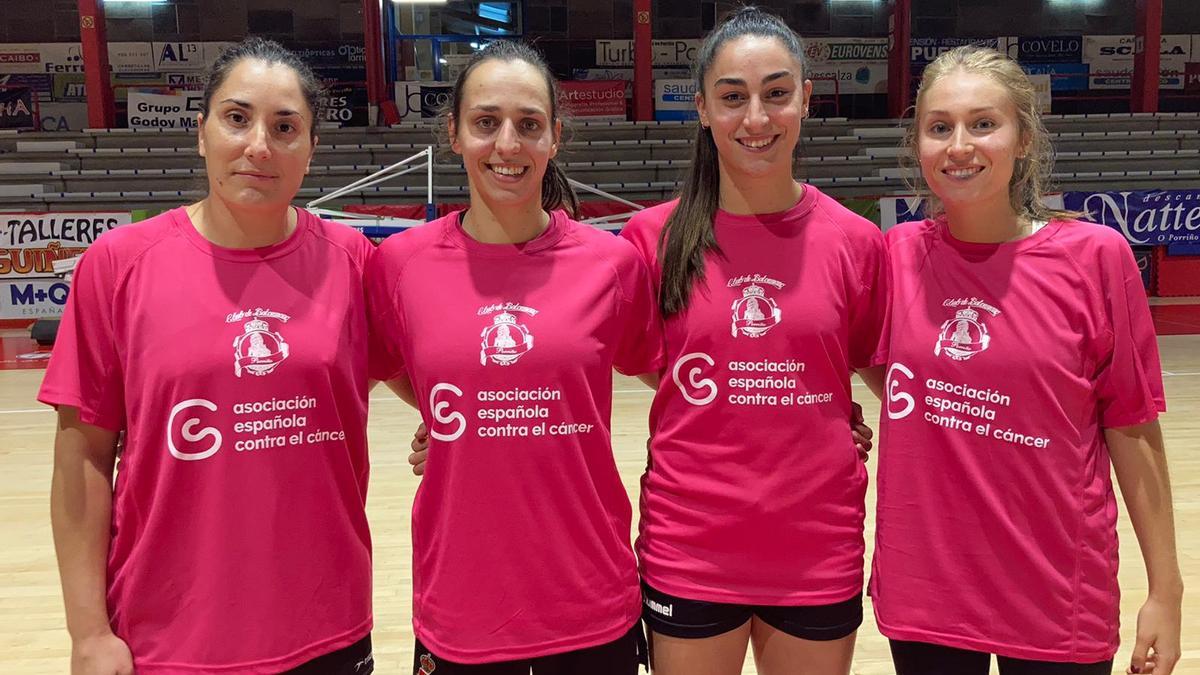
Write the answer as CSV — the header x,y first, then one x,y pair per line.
x,y
1022,361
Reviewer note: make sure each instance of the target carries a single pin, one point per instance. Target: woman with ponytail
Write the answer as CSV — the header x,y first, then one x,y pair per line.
x,y
771,293
506,320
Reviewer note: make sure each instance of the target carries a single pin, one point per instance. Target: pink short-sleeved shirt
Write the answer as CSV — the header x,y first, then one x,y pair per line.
x,y
521,524
996,515
239,537
755,493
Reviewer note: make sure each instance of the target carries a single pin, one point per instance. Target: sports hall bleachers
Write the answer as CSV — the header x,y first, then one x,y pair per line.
x,y
126,169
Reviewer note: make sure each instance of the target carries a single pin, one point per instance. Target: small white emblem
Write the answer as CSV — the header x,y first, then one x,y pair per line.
x,y
963,336
259,349
505,341
754,313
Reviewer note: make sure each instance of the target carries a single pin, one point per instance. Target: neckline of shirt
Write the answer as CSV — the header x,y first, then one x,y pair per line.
x,y
555,229
807,202
293,240
1039,235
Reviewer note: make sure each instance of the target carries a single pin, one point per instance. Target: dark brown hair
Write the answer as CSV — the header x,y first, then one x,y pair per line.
x,y
688,233
557,192
270,52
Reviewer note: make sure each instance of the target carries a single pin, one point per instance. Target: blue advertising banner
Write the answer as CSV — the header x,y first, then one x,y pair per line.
x,y
1145,217
1052,49
1183,249
1063,76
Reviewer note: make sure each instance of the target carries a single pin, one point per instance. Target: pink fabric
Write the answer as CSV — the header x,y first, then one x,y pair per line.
x,y
521,524
240,542
996,516
755,493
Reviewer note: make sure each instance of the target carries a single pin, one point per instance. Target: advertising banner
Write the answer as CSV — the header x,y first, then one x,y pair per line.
x,y
41,57
925,50
1064,77
130,57
63,116
31,242
1145,217
594,99
156,111
675,100
666,52
42,85
1191,78
346,104
1051,49
434,97
17,108
1111,60
32,298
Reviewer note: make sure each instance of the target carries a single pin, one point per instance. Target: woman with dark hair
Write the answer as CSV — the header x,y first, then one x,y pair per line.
x,y
507,320
225,344
772,294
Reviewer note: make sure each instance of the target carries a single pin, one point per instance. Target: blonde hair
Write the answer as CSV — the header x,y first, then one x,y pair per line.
x,y
1031,172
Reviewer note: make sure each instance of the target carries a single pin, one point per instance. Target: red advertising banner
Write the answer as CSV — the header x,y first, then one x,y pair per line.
x,y
594,98
1191,78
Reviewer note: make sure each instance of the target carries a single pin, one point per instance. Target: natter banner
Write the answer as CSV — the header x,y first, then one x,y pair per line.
x,y
1146,218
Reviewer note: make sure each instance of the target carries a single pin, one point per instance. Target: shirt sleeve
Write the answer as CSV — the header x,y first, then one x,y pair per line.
x,y
85,369
385,317
640,346
1129,386
869,311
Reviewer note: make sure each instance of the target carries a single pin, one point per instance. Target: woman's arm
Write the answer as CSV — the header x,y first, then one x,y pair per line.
x,y
873,378
402,387
651,380
81,493
1140,463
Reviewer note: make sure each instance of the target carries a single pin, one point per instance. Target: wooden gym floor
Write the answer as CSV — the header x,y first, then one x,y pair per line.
x,y
34,640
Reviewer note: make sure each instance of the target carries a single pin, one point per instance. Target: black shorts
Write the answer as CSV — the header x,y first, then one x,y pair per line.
x,y
622,656
353,660
922,658
677,617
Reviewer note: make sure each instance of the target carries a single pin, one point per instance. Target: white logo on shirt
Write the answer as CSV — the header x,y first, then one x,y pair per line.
x,y
695,383
894,396
755,312
963,336
258,350
438,408
188,433
505,341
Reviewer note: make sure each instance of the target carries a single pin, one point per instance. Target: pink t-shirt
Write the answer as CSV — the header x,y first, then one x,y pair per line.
x,y
996,517
755,493
239,537
521,524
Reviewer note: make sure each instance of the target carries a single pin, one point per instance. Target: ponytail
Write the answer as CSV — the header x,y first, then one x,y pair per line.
x,y
688,234
557,192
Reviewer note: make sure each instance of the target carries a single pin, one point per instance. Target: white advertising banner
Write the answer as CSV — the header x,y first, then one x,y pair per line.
x,y
156,111
1111,60
31,242
130,57
44,57
666,52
